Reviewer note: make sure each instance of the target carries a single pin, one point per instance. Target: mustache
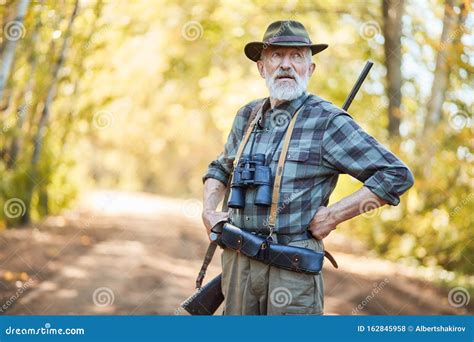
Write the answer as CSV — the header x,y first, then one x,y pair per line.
x,y
290,73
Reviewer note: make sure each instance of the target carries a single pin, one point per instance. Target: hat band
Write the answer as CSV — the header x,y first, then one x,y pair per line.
x,y
283,39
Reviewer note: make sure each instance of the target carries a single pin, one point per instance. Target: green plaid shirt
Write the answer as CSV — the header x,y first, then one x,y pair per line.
x,y
325,142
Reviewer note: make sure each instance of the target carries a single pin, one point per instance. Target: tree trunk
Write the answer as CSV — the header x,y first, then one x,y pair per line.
x,y
451,34
14,31
25,107
52,90
441,74
79,64
392,30
45,112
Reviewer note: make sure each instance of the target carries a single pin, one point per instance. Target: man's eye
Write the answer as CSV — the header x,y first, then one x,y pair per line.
x,y
275,54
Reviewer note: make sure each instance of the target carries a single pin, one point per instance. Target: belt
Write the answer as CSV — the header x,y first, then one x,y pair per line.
x,y
257,247
285,239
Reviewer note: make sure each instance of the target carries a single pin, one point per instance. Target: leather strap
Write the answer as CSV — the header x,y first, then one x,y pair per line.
x,y
286,239
277,183
279,170
247,135
331,259
207,260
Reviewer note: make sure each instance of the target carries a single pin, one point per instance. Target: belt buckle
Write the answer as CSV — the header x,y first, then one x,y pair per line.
x,y
269,237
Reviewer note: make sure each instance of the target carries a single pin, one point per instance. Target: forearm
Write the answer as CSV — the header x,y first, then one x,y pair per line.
x,y
355,204
214,192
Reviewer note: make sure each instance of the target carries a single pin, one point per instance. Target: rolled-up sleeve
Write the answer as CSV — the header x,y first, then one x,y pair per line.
x,y
349,149
221,168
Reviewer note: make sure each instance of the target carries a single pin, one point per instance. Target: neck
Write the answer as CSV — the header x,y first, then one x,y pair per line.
x,y
275,102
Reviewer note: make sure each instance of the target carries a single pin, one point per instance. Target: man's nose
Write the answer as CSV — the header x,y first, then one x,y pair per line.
x,y
286,62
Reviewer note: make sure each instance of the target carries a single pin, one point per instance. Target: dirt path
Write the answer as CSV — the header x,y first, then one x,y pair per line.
x,y
133,253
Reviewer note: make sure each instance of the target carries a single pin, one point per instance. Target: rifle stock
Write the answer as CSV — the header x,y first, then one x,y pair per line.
x,y
206,300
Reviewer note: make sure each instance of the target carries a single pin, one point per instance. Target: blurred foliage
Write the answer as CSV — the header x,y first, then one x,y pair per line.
x,y
148,91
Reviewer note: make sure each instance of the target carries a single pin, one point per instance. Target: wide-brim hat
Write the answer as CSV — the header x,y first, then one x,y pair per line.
x,y
282,33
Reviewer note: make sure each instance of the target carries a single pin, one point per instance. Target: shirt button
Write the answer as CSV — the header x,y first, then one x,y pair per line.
x,y
247,218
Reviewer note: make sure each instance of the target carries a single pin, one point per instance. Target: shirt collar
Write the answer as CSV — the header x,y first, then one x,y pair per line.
x,y
287,106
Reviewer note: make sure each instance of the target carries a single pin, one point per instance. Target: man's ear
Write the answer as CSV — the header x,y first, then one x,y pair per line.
x,y
260,68
311,69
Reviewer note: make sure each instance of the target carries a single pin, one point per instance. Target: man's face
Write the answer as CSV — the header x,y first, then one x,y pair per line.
x,y
286,71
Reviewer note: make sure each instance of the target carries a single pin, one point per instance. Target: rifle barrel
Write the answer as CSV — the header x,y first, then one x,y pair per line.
x,y
357,85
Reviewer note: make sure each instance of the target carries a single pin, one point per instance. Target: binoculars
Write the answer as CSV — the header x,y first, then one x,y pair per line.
x,y
251,171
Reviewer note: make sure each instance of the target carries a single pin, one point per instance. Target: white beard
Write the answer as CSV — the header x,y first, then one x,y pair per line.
x,y
286,90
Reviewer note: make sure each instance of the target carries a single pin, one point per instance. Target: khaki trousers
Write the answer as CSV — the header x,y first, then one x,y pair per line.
x,y
251,287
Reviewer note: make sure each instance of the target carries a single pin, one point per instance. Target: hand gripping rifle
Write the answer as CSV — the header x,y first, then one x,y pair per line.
x,y
207,299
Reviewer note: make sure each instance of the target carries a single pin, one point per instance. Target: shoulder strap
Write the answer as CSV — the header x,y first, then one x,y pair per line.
x,y
248,133
256,114
279,171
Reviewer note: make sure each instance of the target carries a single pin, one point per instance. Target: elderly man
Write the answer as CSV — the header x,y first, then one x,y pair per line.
x,y
325,142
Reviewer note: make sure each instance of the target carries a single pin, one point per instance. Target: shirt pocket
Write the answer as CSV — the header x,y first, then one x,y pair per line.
x,y
294,169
